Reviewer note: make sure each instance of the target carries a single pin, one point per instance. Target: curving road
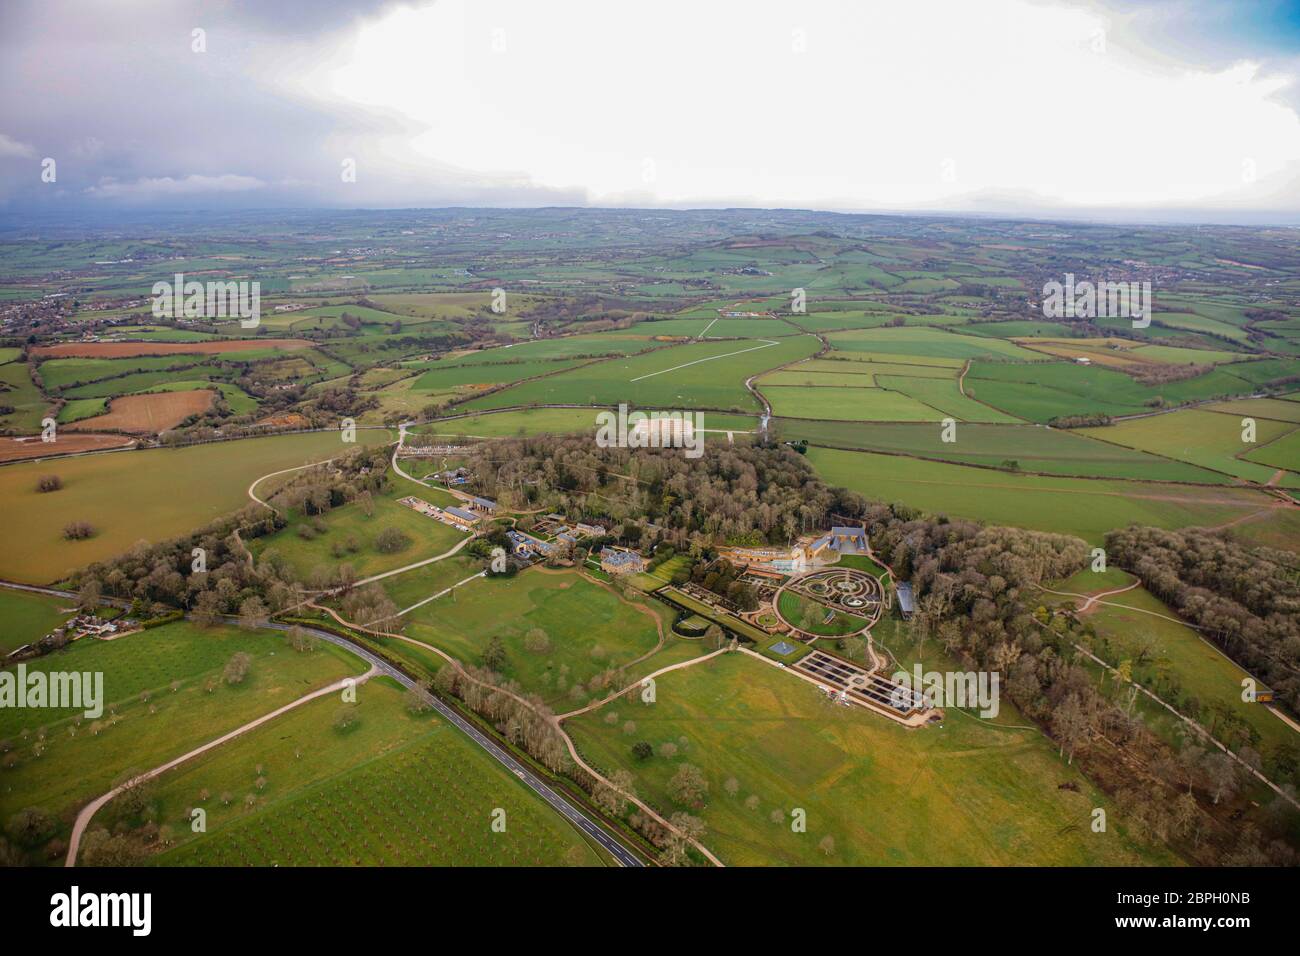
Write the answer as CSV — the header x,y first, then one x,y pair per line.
x,y
575,815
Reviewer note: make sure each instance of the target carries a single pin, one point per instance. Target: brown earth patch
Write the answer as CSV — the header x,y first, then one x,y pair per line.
x,y
148,414
132,349
292,420
19,449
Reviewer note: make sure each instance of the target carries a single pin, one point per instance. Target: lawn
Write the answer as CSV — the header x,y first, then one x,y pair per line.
x,y
61,762
350,537
969,793
177,489
1082,507
809,615
394,789
28,617
590,629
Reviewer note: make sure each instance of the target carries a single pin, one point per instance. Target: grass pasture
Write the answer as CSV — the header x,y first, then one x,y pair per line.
x,y
1084,507
698,375
1033,448
179,489
968,793
1203,438
28,617
590,629
349,536
62,761
393,790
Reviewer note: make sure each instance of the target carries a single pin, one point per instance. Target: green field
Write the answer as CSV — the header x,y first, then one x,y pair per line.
x,y
177,489
18,390
1283,452
699,375
927,341
968,793
1079,506
62,762
413,790
834,403
1032,448
946,396
1042,391
28,617
438,378
1209,439
590,629
349,536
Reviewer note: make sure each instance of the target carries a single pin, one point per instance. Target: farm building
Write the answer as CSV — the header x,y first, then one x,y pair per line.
x,y
482,505
621,561
462,518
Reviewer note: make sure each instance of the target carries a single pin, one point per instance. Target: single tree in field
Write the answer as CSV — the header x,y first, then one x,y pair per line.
x,y
732,786
827,844
47,483
642,750
346,717
237,668
494,655
536,641
252,613
688,786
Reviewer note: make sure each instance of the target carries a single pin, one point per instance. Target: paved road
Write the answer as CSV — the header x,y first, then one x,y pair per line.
x,y
620,853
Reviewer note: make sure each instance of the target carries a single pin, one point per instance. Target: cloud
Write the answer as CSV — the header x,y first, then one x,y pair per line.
x,y
11,148
166,186
1010,105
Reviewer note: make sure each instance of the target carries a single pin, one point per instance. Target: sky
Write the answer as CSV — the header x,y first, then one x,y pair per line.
x,y
1146,110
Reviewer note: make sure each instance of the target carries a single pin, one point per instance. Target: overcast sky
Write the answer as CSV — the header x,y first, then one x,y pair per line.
x,y
1161,109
